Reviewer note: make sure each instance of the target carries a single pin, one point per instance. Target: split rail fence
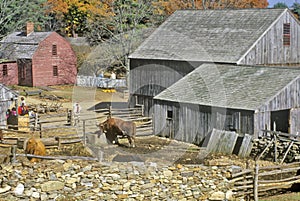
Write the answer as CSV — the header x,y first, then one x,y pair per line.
x,y
75,130
263,181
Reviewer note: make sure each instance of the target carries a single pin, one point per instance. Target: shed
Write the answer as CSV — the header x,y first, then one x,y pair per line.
x,y
245,99
7,99
189,38
42,58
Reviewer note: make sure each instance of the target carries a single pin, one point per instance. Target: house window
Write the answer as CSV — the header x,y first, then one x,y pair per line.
x,y
54,50
4,70
286,34
169,114
55,71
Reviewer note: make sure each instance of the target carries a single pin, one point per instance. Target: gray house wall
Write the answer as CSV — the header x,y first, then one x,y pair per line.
x,y
269,49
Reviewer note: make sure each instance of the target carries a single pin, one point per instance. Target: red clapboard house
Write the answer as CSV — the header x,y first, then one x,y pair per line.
x,y
37,59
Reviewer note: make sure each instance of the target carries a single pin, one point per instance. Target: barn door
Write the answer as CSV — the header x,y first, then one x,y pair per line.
x,y
281,120
295,120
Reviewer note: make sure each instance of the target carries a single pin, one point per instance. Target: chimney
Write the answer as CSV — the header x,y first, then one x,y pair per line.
x,y
29,28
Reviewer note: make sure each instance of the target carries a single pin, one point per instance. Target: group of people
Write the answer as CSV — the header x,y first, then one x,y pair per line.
x,y
22,110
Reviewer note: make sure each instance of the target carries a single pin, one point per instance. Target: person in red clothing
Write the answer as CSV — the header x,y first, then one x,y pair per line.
x,y
22,109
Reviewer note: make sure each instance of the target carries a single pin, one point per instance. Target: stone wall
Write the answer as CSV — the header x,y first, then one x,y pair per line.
x,y
86,180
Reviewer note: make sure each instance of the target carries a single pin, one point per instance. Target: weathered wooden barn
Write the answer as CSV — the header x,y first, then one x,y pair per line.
x,y
7,99
42,59
245,99
233,40
189,38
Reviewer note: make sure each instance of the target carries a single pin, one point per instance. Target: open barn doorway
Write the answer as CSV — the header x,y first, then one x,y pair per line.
x,y
281,119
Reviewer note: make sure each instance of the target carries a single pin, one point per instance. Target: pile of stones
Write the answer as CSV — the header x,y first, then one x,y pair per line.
x,y
86,180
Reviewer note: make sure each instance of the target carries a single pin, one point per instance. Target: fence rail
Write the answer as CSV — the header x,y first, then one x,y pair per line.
x,y
258,181
89,81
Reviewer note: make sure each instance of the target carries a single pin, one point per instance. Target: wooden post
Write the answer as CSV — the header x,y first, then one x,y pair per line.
x,y
287,151
69,117
84,133
110,111
255,182
13,152
275,147
36,121
142,110
40,125
59,142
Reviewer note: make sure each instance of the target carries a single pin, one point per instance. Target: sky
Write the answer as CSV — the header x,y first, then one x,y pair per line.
x,y
289,3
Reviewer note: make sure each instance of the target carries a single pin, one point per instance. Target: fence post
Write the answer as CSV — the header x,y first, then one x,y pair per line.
x,y
69,117
40,127
84,133
110,111
275,147
58,142
13,153
142,110
255,182
36,121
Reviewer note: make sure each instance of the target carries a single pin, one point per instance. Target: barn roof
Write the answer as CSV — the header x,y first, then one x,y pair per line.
x,y
18,45
230,86
207,35
7,93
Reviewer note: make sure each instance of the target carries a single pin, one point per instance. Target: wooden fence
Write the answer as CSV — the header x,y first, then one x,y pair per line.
x,y
57,123
262,181
90,81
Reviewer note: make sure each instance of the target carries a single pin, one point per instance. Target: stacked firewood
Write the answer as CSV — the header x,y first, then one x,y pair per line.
x,y
278,149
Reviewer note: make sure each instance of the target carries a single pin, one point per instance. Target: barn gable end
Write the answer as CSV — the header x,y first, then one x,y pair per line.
x,y
275,47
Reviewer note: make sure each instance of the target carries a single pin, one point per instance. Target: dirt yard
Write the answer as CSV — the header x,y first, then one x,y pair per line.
x,y
148,149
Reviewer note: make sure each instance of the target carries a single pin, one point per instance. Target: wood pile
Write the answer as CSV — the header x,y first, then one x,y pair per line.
x,y
279,147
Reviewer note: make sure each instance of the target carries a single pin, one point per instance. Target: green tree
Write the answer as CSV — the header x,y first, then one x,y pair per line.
x,y
296,9
280,5
15,13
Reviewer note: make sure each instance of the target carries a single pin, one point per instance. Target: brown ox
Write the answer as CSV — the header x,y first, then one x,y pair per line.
x,y
113,127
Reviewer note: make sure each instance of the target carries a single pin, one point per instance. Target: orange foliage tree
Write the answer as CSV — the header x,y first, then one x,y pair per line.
x,y
74,14
167,7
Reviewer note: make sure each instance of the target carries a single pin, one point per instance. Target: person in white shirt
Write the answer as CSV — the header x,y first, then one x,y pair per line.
x,y
76,113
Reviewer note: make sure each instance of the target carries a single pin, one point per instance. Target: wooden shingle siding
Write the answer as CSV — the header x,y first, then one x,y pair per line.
x,y
270,48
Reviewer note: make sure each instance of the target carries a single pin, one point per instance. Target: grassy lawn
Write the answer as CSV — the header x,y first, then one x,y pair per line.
x,y
283,197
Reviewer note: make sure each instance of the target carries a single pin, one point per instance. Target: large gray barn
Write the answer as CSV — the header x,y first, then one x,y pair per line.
x,y
238,38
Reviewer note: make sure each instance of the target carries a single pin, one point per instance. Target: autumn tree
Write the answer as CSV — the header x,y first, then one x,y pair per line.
x,y
167,7
74,15
296,10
